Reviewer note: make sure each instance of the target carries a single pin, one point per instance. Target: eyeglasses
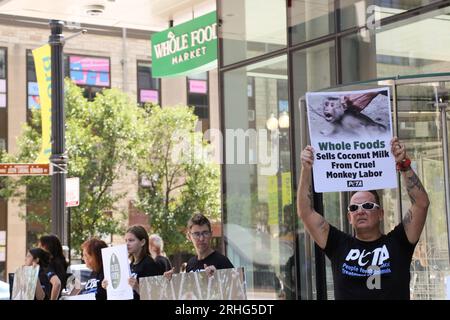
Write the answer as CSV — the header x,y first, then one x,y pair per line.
x,y
198,235
365,206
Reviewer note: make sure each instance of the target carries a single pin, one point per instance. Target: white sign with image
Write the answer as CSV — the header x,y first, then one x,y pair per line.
x,y
116,269
351,132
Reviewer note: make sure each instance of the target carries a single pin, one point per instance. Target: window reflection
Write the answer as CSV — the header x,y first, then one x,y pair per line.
x,y
251,28
392,50
259,216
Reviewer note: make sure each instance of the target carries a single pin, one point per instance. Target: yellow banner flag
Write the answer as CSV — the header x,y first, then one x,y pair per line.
x,y
42,62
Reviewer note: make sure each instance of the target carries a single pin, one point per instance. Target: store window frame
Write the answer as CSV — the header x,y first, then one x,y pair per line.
x,y
89,91
139,88
3,203
320,280
5,51
207,94
29,53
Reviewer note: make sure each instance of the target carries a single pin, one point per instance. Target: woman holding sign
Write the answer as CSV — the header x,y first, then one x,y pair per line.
x,y
141,262
369,265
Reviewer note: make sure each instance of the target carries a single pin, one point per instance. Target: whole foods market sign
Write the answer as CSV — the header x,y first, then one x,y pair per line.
x,y
188,48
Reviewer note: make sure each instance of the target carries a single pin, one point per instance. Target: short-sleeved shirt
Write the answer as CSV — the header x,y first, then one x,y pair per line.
x,y
44,278
386,261
215,259
147,267
94,285
164,263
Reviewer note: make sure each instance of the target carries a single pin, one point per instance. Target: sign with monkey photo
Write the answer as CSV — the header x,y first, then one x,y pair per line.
x,y
351,132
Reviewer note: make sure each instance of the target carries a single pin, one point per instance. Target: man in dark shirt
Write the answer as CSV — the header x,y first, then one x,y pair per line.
x,y
369,265
199,232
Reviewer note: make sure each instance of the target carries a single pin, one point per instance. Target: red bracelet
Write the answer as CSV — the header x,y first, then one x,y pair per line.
x,y
404,165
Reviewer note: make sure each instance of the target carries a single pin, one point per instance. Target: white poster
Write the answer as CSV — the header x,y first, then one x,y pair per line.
x,y
116,269
351,132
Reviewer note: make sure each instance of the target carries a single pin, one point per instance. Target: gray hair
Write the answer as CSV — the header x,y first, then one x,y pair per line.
x,y
157,242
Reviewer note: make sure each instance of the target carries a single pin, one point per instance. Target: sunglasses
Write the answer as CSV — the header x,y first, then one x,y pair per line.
x,y
365,206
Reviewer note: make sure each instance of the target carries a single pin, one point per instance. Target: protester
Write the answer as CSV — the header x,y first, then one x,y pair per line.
x,y
92,256
157,251
369,265
58,264
141,262
38,256
206,258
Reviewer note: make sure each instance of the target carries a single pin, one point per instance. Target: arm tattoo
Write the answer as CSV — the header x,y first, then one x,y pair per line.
x,y
411,183
322,224
407,218
311,198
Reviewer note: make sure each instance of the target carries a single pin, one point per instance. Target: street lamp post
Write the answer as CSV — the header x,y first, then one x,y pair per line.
x,y
58,158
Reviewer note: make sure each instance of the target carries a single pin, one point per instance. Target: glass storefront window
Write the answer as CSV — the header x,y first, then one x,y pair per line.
x,y
313,69
401,48
198,97
93,74
310,19
148,87
421,126
251,28
3,101
259,216
369,13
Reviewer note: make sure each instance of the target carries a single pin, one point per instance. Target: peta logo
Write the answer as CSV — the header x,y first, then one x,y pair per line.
x,y
373,258
354,183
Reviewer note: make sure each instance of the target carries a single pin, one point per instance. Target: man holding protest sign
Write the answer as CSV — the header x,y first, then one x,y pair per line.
x,y
369,265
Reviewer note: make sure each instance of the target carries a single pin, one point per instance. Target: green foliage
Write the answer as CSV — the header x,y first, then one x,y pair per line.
x,y
179,180
101,139
108,136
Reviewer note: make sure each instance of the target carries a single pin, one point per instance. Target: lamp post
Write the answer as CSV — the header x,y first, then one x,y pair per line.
x,y
58,158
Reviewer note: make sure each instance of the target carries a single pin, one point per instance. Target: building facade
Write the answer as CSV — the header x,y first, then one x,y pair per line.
x,y
271,54
122,59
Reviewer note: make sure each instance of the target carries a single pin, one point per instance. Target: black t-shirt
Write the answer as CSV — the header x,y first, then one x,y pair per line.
x,y
215,258
351,258
94,285
44,278
147,267
164,263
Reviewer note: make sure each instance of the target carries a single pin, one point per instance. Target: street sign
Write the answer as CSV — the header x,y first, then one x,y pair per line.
x,y
25,169
72,192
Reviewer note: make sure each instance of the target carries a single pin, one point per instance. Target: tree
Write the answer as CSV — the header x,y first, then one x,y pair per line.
x,y
177,178
102,138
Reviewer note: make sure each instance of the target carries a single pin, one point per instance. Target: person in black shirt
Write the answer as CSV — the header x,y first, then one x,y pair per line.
x,y
369,265
142,264
156,246
38,256
92,256
58,264
199,232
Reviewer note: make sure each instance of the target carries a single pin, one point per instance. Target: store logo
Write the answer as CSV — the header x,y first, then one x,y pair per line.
x,y
354,183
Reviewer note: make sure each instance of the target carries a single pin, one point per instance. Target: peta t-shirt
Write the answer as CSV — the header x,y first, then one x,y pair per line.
x,y
370,269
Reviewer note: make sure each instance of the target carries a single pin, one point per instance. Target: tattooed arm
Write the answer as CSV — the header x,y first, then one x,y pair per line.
x,y
315,224
414,219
